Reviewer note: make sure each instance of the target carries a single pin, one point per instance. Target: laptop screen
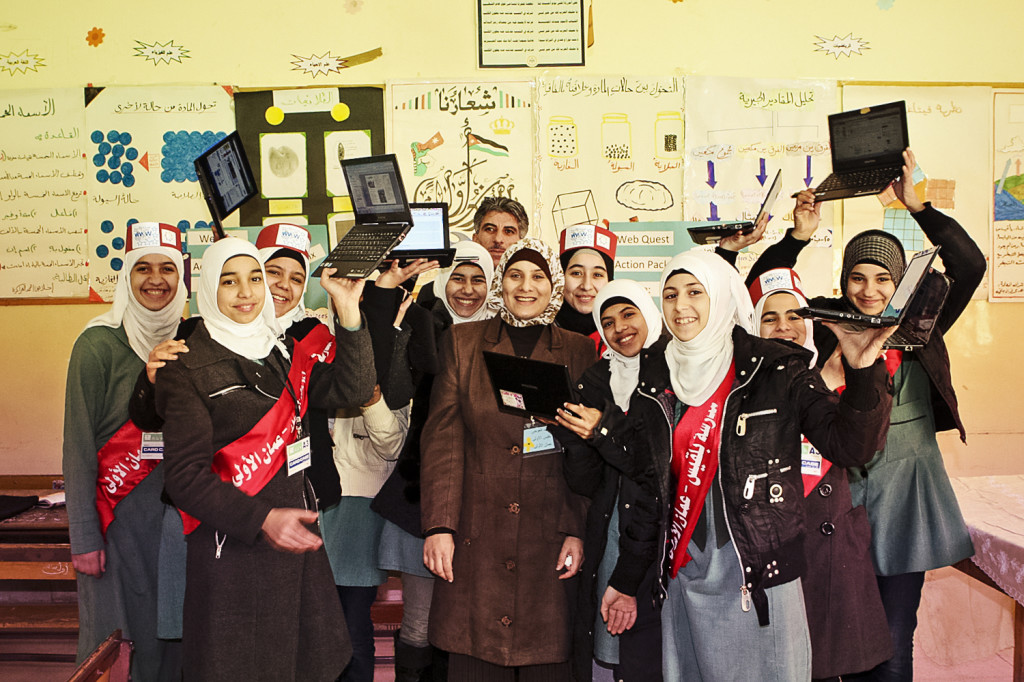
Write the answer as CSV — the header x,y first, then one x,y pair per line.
x,y
225,176
375,187
430,229
872,136
912,276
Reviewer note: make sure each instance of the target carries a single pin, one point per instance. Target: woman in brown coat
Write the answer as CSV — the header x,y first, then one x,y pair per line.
x,y
502,527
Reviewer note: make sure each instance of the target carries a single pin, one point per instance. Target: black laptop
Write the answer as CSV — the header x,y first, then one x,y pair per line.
x,y
867,151
922,313
898,306
528,388
225,178
382,216
714,231
429,238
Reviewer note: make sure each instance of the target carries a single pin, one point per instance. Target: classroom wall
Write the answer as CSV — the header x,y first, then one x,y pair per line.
x,y
254,45
237,43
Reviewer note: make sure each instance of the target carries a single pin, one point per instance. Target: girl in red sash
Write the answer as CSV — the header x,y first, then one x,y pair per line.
x,y
719,413
113,493
916,524
845,617
258,600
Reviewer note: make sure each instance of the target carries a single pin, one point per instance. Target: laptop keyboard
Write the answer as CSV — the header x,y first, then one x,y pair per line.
x,y
367,245
864,178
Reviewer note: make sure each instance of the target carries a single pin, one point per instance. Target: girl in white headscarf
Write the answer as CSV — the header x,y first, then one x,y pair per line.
x,y
113,496
719,414
235,428
618,628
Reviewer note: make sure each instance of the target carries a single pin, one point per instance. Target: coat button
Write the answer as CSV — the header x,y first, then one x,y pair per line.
x,y
467,542
513,508
514,450
828,528
510,565
825,489
745,508
506,621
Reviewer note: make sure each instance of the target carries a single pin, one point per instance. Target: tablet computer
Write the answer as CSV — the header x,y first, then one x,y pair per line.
x,y
526,387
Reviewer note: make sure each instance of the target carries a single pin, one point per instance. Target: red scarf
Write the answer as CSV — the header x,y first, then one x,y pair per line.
x,y
251,461
695,444
120,468
893,357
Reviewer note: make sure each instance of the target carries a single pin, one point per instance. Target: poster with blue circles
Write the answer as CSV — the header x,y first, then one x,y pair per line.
x,y
140,144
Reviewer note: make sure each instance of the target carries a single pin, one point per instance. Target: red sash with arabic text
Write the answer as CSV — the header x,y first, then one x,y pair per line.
x,y
694,463
317,344
119,469
251,461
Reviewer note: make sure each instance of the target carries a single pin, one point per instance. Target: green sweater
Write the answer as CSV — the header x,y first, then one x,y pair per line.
x,y
101,376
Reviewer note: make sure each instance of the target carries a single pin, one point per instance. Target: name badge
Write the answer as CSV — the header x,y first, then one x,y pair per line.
x,y
298,456
810,460
537,440
152,445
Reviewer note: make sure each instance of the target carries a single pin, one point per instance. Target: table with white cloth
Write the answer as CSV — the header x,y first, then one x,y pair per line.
x,y
993,507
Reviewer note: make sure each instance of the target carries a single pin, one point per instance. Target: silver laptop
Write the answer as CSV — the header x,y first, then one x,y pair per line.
x,y
429,238
714,231
382,216
867,151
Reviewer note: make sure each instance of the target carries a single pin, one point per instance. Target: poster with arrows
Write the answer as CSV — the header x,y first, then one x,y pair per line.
x,y
739,132
140,143
611,148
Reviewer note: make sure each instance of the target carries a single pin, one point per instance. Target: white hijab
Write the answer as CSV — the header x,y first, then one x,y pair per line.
x,y
697,367
299,311
253,340
145,328
466,253
625,371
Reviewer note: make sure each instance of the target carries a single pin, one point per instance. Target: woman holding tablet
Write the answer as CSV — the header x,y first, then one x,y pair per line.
x,y
501,524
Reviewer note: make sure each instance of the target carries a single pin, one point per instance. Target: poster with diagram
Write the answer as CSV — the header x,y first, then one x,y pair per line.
x,y
458,142
1006,257
949,133
610,148
739,133
140,147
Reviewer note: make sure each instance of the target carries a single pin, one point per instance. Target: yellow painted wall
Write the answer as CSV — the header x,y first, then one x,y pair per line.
x,y
254,44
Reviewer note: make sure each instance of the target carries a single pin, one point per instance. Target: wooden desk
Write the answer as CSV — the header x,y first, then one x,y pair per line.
x,y
993,507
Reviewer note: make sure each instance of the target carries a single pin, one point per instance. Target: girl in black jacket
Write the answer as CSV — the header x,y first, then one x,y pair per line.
x,y
625,632
719,412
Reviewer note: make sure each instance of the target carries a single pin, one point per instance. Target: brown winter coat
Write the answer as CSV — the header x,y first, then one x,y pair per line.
x,y
510,513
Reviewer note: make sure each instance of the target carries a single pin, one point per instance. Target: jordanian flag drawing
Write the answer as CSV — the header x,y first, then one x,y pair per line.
x,y
482,144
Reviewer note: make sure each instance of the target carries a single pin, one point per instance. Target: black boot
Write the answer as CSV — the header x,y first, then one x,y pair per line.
x,y
411,661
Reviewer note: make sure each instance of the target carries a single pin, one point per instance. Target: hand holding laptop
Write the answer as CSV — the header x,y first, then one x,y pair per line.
x,y
743,239
395,275
806,215
861,348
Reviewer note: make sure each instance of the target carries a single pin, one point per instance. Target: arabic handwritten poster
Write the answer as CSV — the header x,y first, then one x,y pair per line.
x,y
299,138
42,188
610,148
739,133
458,142
530,33
141,144
1006,258
949,130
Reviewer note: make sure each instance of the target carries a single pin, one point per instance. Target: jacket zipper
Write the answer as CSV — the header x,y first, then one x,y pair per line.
x,y
741,421
745,600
